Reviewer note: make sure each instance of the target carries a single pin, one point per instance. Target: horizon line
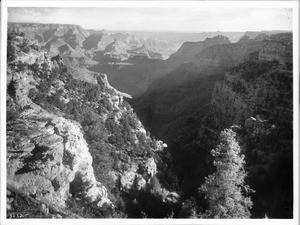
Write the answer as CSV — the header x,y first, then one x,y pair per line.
x,y
151,31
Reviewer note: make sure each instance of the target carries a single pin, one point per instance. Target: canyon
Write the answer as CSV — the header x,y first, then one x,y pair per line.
x,y
123,123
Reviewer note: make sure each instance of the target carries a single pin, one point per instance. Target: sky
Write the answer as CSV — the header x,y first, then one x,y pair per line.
x,y
159,19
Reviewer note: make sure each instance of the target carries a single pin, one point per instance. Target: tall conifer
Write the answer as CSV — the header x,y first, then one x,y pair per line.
x,y
225,189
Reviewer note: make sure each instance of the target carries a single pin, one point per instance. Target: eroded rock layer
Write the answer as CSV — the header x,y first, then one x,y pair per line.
x,y
47,154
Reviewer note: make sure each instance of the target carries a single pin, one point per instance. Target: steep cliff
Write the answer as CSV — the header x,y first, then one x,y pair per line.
x,y
47,155
257,96
75,143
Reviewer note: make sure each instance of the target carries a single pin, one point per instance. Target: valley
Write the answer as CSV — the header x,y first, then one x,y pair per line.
x,y
123,124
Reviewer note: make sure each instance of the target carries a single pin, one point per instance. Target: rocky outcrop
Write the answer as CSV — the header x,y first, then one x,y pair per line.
x,y
48,156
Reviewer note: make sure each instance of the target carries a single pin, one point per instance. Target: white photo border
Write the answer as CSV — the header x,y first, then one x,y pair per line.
x,y
294,4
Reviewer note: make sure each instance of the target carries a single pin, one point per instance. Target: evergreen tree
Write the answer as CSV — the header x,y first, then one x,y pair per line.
x,y
225,189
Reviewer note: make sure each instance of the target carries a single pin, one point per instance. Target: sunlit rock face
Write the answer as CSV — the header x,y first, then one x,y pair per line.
x,y
47,154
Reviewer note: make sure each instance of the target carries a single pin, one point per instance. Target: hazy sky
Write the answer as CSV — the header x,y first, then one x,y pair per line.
x,y
160,19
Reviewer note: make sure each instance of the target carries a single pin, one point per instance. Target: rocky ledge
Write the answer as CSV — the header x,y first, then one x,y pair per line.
x,y
47,156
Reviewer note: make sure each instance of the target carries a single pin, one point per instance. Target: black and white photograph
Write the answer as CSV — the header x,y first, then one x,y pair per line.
x,y
118,111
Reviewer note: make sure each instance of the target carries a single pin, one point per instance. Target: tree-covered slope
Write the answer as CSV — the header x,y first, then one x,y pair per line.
x,y
79,144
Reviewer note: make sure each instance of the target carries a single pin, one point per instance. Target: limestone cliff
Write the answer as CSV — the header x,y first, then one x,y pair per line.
x,y
48,156
74,142
46,153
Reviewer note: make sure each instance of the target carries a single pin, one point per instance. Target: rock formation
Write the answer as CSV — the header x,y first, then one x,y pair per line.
x,y
188,50
69,140
48,156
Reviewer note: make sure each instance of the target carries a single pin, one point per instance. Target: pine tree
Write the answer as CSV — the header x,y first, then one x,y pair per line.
x,y
225,189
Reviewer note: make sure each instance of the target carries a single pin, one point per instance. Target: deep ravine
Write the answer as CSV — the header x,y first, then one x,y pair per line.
x,y
77,141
